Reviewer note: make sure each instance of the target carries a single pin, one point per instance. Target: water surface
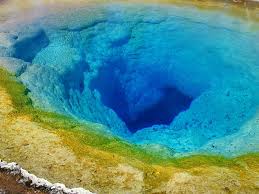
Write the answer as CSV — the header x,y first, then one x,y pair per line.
x,y
150,74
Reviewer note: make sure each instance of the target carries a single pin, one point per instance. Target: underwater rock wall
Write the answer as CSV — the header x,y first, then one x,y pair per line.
x,y
173,77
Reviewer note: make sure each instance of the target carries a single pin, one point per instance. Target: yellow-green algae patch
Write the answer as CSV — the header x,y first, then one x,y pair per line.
x,y
61,149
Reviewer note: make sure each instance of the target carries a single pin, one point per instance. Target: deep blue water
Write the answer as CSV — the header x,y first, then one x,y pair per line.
x,y
177,77
157,104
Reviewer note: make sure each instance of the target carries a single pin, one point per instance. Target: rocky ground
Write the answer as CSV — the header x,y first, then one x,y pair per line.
x,y
9,184
14,179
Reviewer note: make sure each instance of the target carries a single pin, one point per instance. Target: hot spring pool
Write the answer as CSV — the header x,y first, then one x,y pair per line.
x,y
152,75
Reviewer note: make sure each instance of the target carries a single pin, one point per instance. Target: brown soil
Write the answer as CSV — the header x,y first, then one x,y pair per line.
x,y
9,185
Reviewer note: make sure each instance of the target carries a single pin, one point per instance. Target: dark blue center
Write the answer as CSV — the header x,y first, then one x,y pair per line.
x,y
169,103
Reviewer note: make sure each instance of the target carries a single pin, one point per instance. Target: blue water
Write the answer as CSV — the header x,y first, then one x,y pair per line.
x,y
172,76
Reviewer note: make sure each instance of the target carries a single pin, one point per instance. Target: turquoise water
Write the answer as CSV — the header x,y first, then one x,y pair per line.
x,y
177,77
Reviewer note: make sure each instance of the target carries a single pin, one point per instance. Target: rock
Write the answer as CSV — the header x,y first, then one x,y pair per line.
x,y
7,40
13,65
